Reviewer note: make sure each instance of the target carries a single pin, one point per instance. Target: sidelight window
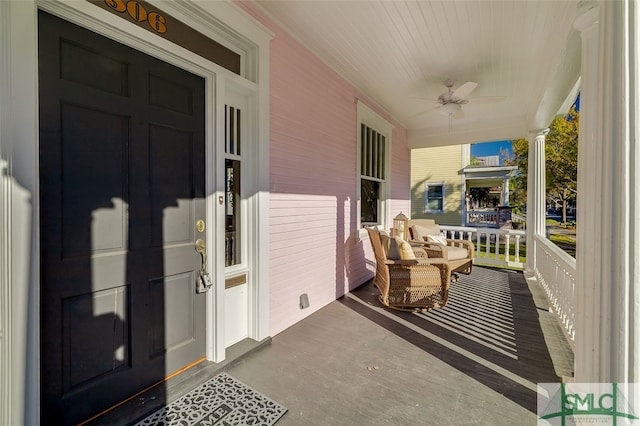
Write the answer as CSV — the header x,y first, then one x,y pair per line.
x,y
233,246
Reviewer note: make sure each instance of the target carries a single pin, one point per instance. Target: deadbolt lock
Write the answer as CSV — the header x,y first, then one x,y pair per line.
x,y
200,226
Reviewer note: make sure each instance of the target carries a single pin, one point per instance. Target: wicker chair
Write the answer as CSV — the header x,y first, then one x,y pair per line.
x,y
409,285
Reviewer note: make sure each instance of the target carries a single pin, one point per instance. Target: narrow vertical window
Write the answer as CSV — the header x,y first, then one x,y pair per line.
x,y
232,130
233,231
372,175
374,155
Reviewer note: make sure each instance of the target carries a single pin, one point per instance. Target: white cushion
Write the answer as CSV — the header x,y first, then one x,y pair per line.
x,y
440,239
455,253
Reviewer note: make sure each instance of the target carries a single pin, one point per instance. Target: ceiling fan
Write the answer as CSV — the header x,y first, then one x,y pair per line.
x,y
451,101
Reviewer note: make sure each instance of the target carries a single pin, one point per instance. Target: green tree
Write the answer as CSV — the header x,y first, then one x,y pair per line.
x,y
561,162
474,161
518,184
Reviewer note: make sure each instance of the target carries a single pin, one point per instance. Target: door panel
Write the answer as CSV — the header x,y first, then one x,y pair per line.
x,y
121,186
100,163
100,313
180,310
98,71
171,155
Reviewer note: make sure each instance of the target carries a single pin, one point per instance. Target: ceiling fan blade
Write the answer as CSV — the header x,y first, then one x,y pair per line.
x,y
458,114
464,90
487,99
425,99
433,108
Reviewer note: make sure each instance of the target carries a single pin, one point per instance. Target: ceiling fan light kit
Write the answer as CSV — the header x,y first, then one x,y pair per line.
x,y
450,108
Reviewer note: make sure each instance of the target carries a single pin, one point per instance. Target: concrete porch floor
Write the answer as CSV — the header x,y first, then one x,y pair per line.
x,y
476,361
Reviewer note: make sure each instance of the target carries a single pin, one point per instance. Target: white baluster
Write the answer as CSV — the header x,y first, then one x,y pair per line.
x,y
507,248
487,247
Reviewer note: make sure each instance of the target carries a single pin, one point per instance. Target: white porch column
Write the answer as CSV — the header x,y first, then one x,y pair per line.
x,y
505,191
536,194
608,236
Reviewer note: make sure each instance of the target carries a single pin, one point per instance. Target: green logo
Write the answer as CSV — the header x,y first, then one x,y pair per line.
x,y
585,403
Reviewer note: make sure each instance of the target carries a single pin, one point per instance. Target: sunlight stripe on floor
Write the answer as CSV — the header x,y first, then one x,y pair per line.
x,y
480,337
471,356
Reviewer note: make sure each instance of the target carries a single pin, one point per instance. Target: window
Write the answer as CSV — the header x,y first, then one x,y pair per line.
x,y
434,197
372,154
374,137
232,241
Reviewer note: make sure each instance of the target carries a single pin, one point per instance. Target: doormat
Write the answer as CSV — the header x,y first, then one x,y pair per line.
x,y
221,401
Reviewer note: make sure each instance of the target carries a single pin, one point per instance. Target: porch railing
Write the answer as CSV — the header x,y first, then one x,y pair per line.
x,y
556,273
494,247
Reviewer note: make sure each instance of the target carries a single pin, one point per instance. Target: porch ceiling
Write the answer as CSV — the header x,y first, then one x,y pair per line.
x,y
396,51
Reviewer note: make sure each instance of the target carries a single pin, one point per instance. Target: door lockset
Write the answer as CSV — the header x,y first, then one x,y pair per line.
x,y
203,281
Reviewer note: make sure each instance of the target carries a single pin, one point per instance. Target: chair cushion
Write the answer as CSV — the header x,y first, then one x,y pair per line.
x,y
405,250
440,239
420,232
394,251
455,253
385,240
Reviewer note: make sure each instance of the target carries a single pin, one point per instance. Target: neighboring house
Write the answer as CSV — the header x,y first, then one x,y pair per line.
x,y
451,187
437,187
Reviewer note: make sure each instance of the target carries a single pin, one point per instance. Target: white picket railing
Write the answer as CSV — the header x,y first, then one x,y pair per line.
x,y
556,273
507,240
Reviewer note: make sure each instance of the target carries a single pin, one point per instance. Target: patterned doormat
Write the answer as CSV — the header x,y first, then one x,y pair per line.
x,y
221,401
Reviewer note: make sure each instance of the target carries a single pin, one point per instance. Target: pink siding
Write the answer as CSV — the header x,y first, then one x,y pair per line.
x,y
400,173
313,244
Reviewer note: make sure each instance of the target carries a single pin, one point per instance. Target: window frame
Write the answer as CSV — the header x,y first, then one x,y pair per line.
x,y
241,152
426,196
366,116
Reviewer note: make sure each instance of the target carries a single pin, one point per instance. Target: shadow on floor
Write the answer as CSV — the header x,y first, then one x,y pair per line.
x,y
490,331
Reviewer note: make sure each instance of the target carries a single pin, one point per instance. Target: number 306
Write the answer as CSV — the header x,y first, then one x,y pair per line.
x,y
139,13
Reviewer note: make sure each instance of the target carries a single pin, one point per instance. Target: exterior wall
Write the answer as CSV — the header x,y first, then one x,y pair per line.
x,y
434,165
314,244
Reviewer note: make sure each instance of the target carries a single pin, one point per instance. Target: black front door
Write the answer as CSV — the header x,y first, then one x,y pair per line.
x,y
121,188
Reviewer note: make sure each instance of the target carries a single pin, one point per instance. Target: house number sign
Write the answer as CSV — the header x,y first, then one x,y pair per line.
x,y
139,13
160,23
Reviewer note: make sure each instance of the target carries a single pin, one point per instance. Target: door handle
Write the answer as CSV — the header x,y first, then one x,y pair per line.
x,y
201,247
203,281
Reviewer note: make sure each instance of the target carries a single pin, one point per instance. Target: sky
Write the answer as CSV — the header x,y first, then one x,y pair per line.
x,y
484,149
